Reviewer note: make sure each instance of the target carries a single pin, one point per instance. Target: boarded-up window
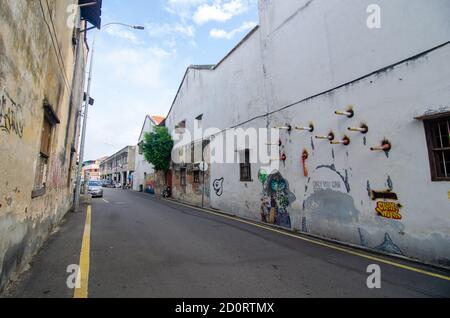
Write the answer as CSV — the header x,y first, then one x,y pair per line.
x,y
438,139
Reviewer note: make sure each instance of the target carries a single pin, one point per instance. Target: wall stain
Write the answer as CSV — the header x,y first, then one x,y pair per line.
x,y
332,206
332,167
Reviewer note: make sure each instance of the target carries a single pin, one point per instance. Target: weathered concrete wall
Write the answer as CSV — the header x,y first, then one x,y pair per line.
x,y
31,72
307,60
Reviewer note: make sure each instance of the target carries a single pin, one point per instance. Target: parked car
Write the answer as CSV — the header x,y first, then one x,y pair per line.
x,y
107,184
95,189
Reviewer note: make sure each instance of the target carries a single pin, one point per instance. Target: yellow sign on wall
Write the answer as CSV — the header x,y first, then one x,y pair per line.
x,y
449,195
390,210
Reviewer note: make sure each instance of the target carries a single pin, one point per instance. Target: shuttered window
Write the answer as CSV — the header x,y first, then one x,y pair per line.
x,y
40,177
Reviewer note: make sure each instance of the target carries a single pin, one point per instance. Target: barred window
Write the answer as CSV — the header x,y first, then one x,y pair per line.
x,y
197,176
438,139
183,173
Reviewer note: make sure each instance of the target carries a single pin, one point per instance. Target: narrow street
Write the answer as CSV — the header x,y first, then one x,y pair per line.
x,y
143,247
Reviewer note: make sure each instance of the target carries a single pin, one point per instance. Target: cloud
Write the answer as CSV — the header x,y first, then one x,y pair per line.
x,y
222,34
138,67
183,8
220,11
120,32
163,30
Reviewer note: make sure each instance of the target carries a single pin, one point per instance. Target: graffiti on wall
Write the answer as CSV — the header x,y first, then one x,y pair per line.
x,y
218,186
387,201
389,210
276,200
11,117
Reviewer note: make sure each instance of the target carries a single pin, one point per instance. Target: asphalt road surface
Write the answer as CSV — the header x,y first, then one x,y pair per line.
x,y
144,247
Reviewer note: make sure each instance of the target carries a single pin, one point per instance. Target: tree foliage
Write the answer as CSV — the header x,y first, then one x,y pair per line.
x,y
158,147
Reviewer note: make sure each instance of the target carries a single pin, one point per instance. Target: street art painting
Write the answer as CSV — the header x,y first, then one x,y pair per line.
x,y
389,246
276,199
150,184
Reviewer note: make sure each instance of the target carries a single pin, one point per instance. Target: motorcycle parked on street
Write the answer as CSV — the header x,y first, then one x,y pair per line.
x,y
166,192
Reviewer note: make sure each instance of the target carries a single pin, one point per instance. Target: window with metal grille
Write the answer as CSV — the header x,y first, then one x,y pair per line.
x,y
438,138
183,173
246,168
196,176
40,178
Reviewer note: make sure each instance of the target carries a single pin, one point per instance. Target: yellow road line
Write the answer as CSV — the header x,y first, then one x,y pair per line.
x,y
82,292
334,247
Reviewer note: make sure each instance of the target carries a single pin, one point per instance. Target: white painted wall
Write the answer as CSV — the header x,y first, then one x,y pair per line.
x,y
307,53
142,166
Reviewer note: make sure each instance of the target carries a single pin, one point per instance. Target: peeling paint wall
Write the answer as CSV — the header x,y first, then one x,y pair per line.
x,y
31,72
307,60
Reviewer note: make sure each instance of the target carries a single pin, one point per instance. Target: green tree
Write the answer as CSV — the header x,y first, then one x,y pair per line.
x,y
158,147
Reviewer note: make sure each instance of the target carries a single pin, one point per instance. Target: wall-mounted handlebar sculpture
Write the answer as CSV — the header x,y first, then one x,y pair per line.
x,y
345,141
385,146
364,129
287,127
283,158
350,113
330,137
310,128
279,144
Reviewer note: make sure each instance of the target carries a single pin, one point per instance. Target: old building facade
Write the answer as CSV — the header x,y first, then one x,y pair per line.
x,y
119,167
144,178
42,65
362,111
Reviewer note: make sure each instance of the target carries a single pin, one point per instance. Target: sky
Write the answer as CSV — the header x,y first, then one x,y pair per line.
x,y
138,72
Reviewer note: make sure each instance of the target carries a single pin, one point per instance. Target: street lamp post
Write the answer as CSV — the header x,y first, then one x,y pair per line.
x,y
86,110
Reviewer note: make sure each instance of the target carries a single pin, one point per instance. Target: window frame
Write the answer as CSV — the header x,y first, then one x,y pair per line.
x,y
197,176
183,177
49,122
245,168
430,138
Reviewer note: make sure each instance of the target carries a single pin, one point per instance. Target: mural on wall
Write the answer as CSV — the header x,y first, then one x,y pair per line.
x,y
218,186
389,246
276,200
150,184
11,118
